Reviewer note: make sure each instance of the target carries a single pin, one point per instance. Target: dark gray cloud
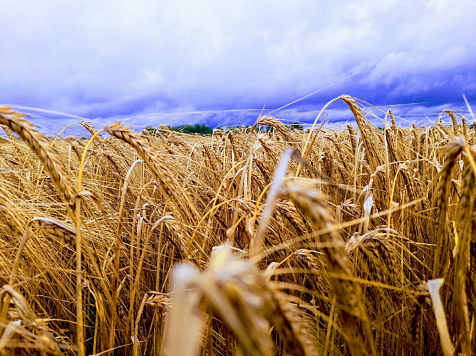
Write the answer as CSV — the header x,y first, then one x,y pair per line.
x,y
109,60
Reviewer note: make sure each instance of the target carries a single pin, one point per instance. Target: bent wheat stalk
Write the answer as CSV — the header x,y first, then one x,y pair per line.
x,y
39,144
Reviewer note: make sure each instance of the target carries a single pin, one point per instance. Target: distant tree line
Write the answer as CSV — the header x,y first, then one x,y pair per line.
x,y
197,128
190,129
266,128
203,129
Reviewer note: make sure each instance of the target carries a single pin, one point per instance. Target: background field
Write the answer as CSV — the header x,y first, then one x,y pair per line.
x,y
355,241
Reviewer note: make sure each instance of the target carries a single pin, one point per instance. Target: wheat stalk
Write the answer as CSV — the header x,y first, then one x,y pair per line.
x,y
39,144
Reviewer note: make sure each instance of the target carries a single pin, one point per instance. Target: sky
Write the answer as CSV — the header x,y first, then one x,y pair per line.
x,y
151,62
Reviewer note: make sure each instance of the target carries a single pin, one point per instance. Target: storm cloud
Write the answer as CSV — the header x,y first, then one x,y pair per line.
x,y
109,60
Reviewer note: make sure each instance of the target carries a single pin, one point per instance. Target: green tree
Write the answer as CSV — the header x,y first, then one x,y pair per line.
x,y
297,126
201,129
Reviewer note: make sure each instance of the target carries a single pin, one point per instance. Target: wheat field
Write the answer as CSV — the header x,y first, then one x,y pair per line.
x,y
350,241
